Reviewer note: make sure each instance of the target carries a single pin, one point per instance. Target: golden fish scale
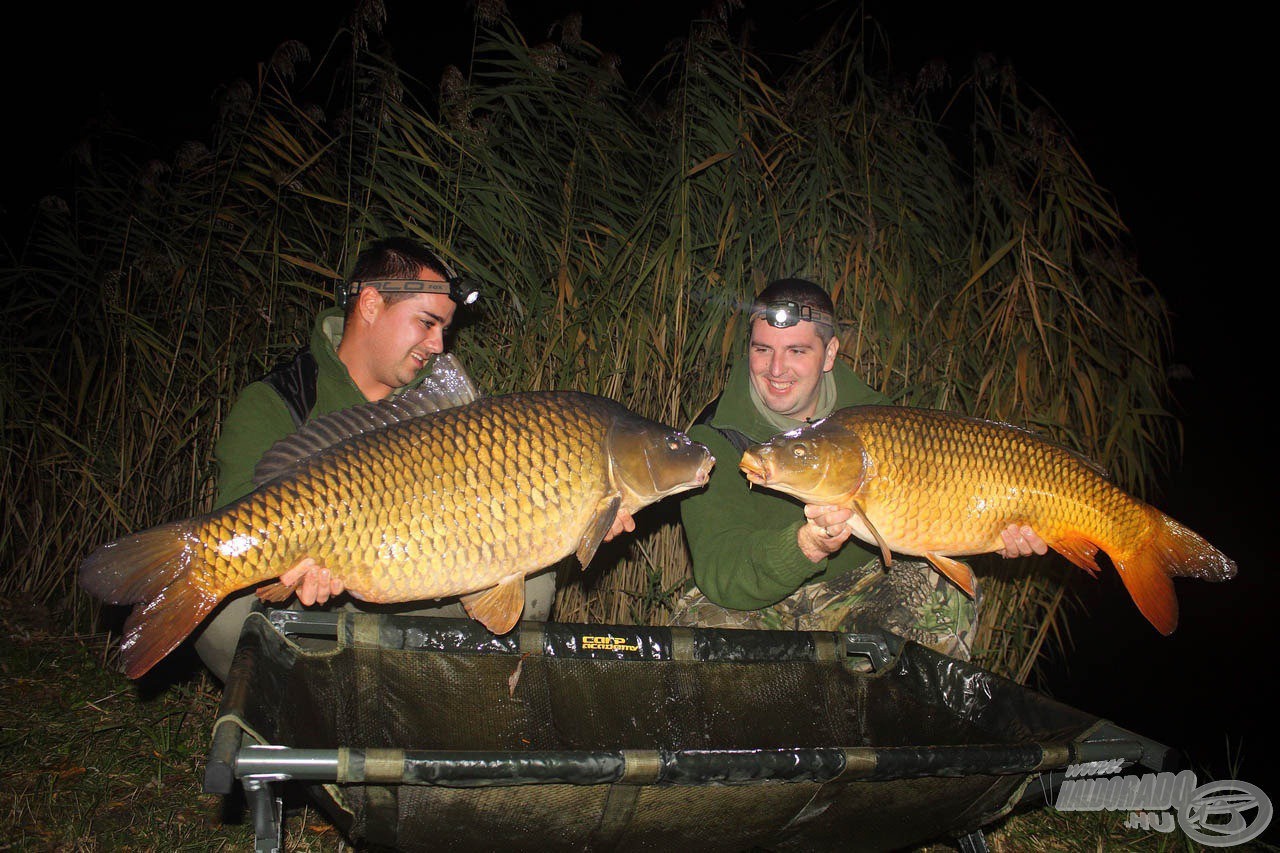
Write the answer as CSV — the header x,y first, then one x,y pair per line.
x,y
950,485
432,507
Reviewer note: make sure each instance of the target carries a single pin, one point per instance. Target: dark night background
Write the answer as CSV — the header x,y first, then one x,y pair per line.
x,y
1166,109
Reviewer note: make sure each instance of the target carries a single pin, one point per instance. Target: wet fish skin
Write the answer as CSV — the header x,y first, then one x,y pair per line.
x,y
465,501
939,485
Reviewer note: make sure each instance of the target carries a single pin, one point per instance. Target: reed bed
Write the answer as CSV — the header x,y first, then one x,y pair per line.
x,y
617,231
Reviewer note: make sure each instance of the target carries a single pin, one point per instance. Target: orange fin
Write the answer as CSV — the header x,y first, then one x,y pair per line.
x,y
1151,589
497,608
1173,551
957,572
598,528
884,546
1079,550
157,627
150,570
1185,553
275,592
137,567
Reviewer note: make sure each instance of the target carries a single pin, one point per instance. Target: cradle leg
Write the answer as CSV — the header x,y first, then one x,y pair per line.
x,y
267,810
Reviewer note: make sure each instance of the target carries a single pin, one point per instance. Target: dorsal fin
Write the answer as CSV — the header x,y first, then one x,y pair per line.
x,y
446,386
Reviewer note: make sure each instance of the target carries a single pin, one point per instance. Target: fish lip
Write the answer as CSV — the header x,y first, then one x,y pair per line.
x,y
704,471
754,469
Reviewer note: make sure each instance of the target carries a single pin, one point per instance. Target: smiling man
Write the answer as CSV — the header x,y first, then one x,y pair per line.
x,y
761,562
400,300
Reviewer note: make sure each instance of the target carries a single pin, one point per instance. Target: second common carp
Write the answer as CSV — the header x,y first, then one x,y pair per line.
x,y
939,485
403,503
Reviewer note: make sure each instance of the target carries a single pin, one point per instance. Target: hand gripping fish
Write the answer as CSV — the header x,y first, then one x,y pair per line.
x,y
939,485
402,500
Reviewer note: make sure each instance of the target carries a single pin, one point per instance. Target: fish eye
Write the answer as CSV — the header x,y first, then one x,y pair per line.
x,y
798,450
673,443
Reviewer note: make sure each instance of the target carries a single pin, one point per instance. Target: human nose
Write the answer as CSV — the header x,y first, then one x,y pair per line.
x,y
435,341
776,365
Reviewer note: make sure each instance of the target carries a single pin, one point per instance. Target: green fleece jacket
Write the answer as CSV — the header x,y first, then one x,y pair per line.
x,y
259,418
743,541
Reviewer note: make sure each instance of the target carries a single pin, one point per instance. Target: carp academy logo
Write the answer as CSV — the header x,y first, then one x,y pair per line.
x,y
1216,814
610,643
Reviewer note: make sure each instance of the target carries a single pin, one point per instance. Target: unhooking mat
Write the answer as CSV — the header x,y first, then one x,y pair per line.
x,y
432,734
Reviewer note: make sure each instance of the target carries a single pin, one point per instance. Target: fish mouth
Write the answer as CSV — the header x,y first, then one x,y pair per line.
x,y
700,477
754,468
704,471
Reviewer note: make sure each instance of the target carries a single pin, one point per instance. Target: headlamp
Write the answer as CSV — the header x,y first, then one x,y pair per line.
x,y
784,315
453,287
459,292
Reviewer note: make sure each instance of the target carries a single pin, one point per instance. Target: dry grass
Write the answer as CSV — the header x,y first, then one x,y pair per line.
x,y
91,763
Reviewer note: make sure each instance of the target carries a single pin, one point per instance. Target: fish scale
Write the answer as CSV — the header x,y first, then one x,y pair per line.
x,y
946,464
371,547
463,501
938,485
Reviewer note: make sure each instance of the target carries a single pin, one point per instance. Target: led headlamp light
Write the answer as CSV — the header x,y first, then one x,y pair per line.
x,y
784,315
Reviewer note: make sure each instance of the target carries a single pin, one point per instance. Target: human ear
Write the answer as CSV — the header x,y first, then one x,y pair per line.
x,y
369,304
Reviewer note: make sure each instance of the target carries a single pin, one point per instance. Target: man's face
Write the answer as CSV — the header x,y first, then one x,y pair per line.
x,y
787,366
406,333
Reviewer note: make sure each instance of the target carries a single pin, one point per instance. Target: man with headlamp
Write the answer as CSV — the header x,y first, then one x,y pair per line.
x,y
757,562
393,314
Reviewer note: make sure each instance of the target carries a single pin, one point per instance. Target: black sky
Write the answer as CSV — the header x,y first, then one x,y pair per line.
x,y
1166,108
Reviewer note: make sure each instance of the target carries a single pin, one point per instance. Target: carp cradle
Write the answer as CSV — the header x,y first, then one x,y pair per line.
x,y
419,733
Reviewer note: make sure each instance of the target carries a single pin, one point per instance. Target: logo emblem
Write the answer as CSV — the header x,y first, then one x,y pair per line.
x,y
1214,814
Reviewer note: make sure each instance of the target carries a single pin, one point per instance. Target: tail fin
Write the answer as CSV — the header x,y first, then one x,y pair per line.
x,y
149,569
1173,551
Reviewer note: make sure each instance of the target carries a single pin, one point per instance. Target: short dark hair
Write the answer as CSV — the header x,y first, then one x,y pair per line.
x,y
397,257
392,258
802,292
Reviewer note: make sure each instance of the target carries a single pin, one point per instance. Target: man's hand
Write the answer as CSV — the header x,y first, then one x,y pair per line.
x,y
623,523
825,532
1021,542
313,582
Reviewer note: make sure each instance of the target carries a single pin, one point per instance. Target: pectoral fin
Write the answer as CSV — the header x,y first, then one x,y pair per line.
x,y
497,608
957,572
275,593
1079,550
884,546
599,525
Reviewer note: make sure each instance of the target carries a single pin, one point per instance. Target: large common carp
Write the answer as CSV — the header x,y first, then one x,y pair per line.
x,y
403,503
939,485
